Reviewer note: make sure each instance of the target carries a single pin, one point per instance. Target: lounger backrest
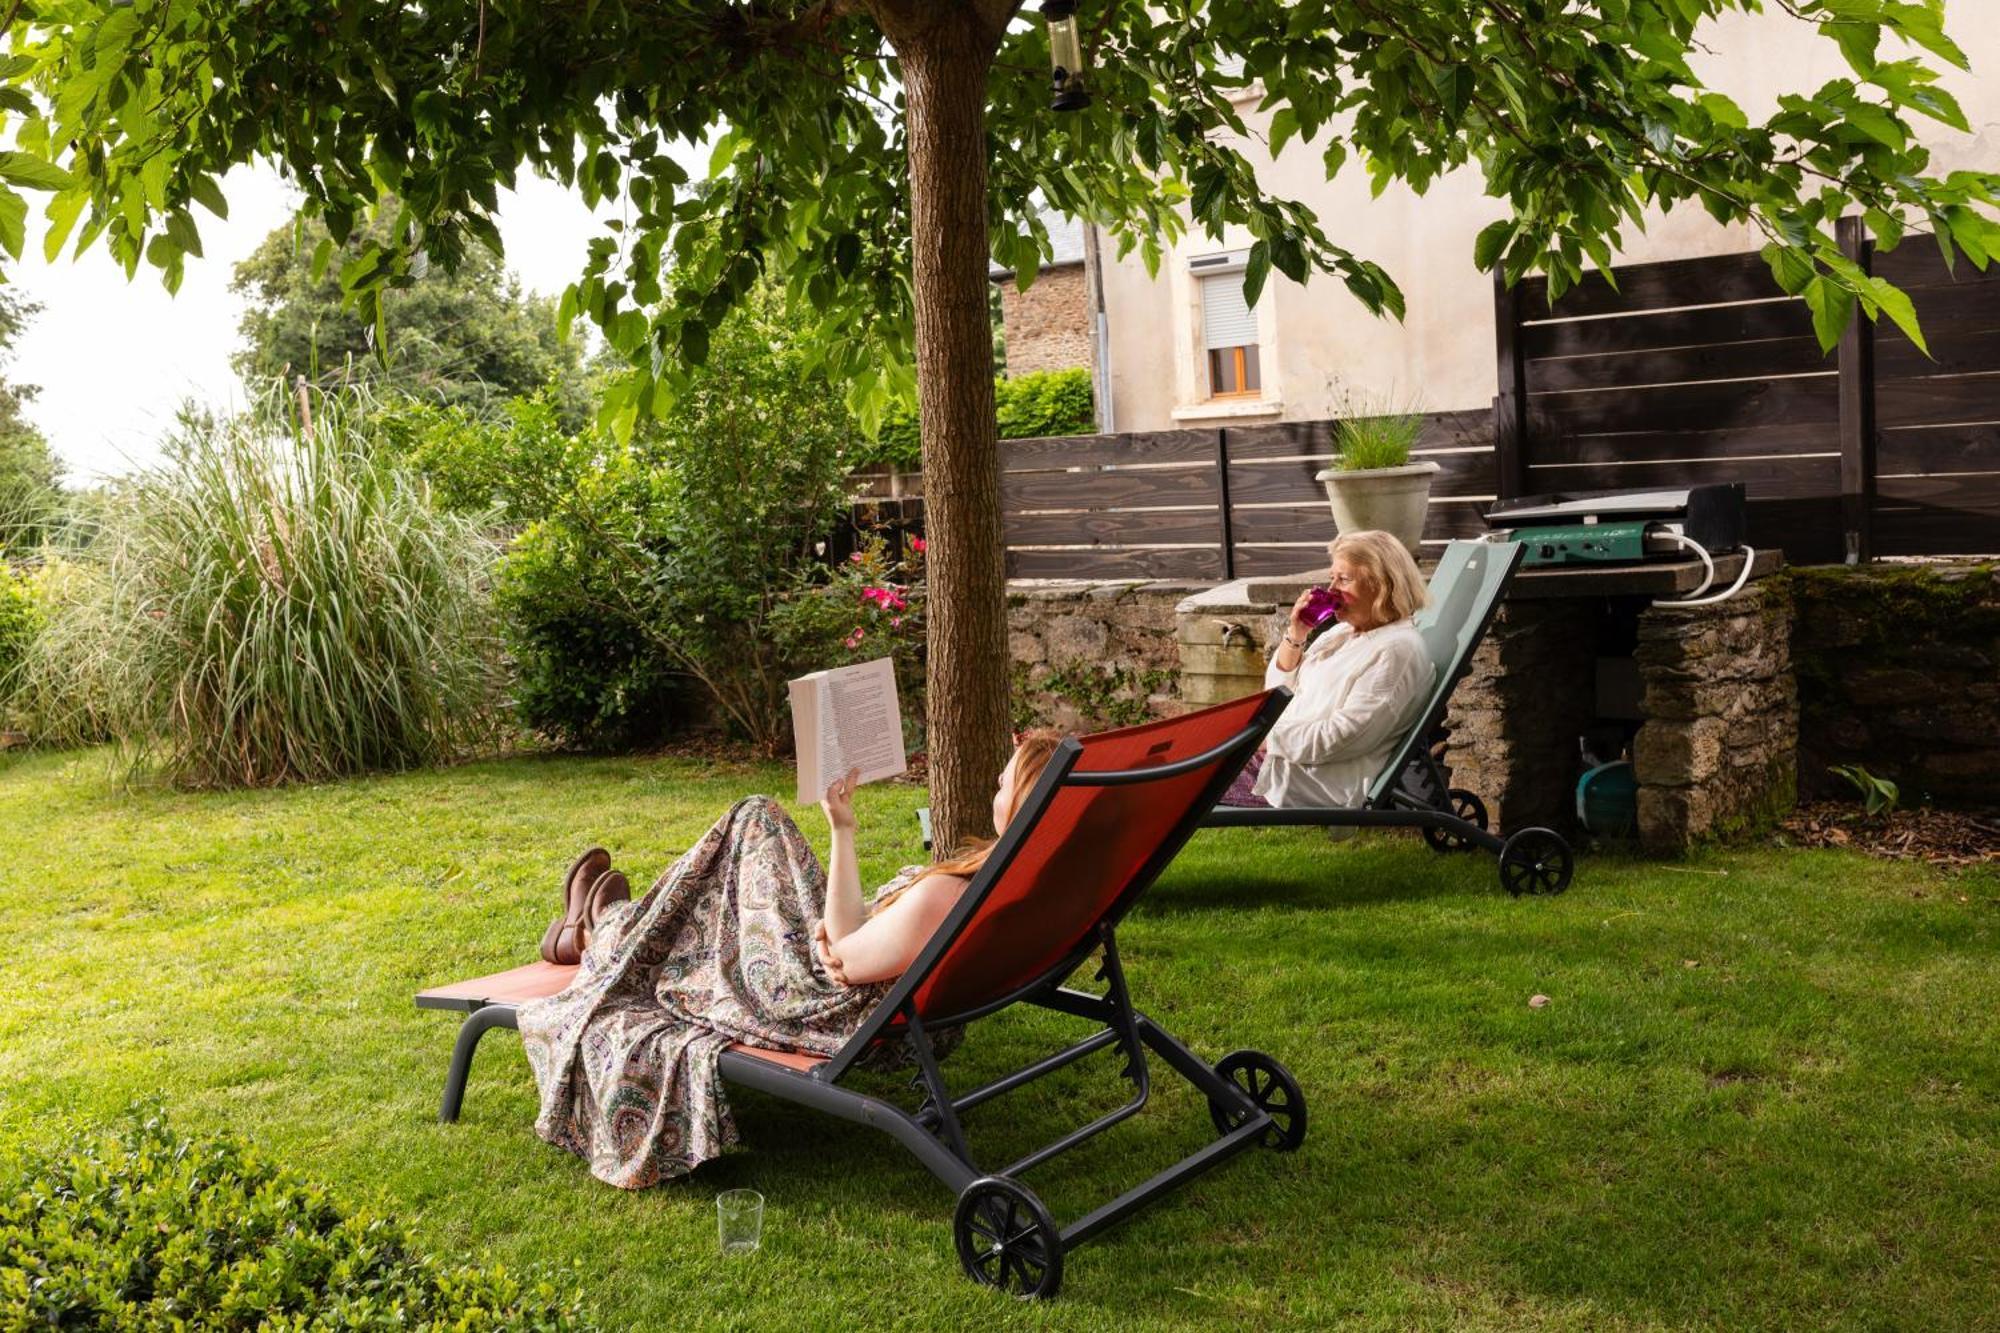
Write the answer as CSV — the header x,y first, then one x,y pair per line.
x,y
1079,853
1465,589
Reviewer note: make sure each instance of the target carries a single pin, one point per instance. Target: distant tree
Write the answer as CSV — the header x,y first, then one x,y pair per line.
x,y
29,469
471,339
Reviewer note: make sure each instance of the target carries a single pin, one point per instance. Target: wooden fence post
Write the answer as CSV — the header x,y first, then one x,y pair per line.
x,y
1222,508
1857,409
1510,408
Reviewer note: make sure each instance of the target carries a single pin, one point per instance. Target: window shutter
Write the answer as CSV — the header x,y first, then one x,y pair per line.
x,y
1225,320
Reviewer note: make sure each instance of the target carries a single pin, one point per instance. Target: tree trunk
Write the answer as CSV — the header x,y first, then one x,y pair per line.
x,y
945,51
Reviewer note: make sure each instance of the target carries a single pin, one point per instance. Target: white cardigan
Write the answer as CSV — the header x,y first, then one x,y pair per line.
x,y
1356,694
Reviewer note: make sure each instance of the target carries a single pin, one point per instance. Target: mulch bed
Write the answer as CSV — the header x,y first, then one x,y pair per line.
x,y
1954,839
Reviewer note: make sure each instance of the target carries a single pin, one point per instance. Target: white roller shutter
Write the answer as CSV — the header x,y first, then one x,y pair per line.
x,y
1225,320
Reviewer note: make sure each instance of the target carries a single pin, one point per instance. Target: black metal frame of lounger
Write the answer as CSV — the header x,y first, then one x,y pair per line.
x,y
1532,860
1005,1237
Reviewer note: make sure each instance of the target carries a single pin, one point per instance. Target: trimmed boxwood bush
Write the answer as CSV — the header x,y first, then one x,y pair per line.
x,y
1046,402
151,1229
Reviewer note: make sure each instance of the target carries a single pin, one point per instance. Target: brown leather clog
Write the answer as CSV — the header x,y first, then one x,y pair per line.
x,y
611,887
562,942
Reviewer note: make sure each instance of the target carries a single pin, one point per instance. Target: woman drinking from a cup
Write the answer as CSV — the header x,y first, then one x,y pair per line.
x,y
1357,686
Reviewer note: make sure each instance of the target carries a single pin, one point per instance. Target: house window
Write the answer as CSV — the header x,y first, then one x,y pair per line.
x,y
1229,336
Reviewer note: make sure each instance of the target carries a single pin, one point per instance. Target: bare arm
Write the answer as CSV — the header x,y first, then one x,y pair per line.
x,y
844,911
1292,648
887,943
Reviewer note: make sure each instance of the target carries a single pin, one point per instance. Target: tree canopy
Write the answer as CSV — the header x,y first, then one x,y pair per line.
x,y
471,339
1579,116
874,154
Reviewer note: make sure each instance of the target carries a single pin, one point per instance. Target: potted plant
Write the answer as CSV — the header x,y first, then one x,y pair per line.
x,y
1373,483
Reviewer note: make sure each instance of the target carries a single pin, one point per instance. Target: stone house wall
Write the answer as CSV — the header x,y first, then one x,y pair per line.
x,y
1048,326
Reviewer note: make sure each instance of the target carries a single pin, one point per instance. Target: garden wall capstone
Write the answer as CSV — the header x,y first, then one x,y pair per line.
x,y
1093,655
1899,672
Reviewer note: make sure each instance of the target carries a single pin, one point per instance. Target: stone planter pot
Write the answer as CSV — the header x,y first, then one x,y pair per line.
x,y
1392,499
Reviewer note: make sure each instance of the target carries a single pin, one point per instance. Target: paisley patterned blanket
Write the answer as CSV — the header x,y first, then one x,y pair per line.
x,y
719,951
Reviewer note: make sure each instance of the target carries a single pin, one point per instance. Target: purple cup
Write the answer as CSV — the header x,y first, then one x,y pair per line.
x,y
1322,604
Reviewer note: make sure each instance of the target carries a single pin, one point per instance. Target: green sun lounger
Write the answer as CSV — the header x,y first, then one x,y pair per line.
x,y
1412,790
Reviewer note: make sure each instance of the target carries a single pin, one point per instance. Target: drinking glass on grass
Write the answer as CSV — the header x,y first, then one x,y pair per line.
x,y
739,1218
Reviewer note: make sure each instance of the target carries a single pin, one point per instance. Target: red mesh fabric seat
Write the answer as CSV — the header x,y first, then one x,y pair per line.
x,y
516,985
1091,851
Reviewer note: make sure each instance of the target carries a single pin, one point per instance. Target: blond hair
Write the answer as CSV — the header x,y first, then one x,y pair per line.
x,y
1399,585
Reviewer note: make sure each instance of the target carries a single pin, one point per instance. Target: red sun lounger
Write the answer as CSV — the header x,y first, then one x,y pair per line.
x,y
1107,816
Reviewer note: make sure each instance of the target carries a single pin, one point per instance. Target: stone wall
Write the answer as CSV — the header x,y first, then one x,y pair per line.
x,y
1513,721
1093,655
1048,326
1899,672
1717,752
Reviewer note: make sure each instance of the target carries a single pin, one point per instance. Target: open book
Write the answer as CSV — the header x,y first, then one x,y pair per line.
x,y
847,718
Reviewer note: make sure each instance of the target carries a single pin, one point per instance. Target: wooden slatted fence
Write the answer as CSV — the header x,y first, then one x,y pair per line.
x,y
1683,372
1703,370
1209,504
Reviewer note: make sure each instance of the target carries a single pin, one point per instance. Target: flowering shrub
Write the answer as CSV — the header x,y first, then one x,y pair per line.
x,y
868,606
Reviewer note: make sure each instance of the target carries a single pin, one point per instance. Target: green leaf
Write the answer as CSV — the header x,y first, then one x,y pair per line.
x,y
1792,270
13,222
62,213
34,173
1832,306
694,342
1897,306
725,152
209,195
1284,124
1877,124
1256,270
1887,228
1492,242
16,100
1857,42
1723,111
1288,256
181,227
1940,106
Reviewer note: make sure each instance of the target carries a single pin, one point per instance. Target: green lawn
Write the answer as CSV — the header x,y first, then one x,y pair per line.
x,y
1766,1090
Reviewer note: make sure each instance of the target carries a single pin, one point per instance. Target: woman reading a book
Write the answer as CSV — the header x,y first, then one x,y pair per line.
x,y
1356,686
744,939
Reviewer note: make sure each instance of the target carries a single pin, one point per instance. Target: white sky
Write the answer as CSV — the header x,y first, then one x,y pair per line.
x,y
115,358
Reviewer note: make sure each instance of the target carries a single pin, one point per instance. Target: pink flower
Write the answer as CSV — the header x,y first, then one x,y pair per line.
x,y
887,598
854,640
856,558
895,622
917,545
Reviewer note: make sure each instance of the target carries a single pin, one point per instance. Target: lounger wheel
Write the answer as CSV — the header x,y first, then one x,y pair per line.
x,y
1271,1086
1007,1239
1535,860
1465,805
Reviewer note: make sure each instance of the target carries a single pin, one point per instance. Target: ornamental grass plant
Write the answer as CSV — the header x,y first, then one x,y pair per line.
x,y
1374,431
271,605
